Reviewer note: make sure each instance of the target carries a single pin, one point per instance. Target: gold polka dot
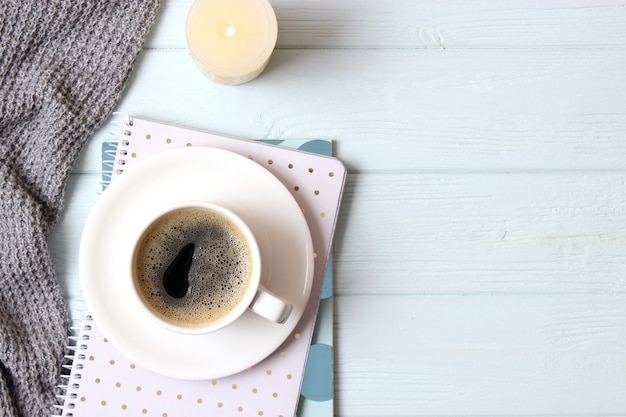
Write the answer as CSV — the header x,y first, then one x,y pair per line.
x,y
214,382
260,413
83,399
117,384
164,415
199,400
168,140
234,386
290,166
240,409
297,336
322,215
179,397
112,362
189,144
159,392
269,161
91,358
148,136
289,376
133,155
103,403
97,380
331,174
283,354
268,372
254,390
316,192
220,405
250,157
310,169
106,340
296,188
138,388
303,210
124,406
144,411
249,369
275,395
132,366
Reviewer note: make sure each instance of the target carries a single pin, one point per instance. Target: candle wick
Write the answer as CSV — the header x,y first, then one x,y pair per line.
x,y
230,31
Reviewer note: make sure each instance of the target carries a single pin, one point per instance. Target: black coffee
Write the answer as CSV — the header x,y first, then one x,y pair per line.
x,y
193,266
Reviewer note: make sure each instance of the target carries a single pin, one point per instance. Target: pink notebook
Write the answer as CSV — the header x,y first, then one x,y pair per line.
x,y
103,382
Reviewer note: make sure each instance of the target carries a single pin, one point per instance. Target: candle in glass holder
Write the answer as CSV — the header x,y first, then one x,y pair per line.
x,y
231,41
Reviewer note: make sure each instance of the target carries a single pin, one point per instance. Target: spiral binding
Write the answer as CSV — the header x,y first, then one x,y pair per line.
x,y
114,151
70,370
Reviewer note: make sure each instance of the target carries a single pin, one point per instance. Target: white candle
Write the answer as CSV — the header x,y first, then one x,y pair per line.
x,y
231,41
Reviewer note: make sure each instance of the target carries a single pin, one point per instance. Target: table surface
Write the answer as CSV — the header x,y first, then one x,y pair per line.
x,y
480,253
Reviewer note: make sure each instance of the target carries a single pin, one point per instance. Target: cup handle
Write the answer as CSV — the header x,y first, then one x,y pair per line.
x,y
270,306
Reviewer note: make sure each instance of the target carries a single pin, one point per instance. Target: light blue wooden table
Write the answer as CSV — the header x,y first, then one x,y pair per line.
x,y
480,255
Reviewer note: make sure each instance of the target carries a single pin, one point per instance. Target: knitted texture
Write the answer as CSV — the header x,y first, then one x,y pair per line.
x,y
63,66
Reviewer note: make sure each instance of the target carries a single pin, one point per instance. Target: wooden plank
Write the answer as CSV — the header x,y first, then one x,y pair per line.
x,y
480,355
434,234
482,233
397,109
427,24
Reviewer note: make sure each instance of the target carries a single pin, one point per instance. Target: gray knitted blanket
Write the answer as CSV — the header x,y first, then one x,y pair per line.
x,y
63,65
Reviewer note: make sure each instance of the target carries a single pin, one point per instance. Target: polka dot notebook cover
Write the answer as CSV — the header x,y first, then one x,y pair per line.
x,y
296,379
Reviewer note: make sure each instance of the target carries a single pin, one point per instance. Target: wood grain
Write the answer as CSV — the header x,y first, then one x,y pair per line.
x,y
480,249
482,233
480,355
506,110
405,24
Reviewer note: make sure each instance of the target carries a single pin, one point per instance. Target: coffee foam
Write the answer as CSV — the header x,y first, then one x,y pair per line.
x,y
220,272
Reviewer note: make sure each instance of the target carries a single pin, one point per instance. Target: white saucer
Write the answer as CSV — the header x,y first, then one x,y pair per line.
x,y
195,173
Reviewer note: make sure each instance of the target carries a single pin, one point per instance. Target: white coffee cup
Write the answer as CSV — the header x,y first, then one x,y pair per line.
x,y
196,268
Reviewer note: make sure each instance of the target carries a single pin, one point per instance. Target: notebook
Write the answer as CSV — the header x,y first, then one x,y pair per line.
x,y
296,379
